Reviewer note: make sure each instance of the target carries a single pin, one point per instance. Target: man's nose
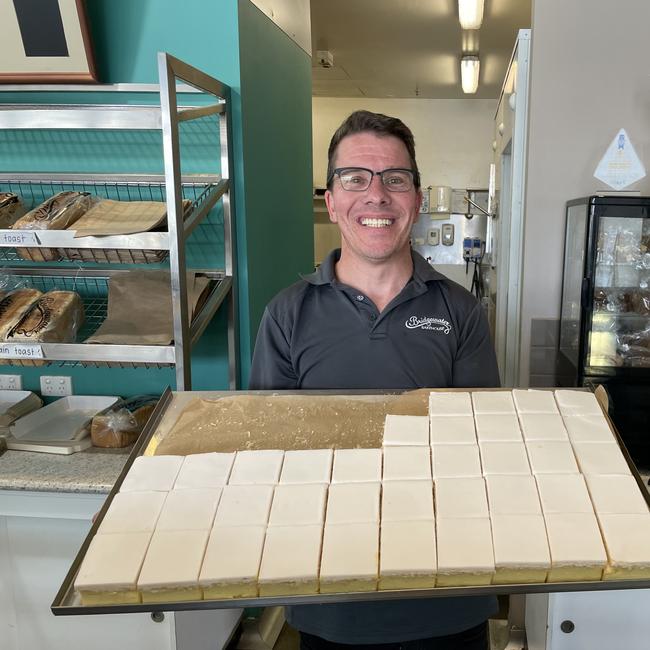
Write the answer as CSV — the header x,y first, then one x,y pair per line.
x,y
377,192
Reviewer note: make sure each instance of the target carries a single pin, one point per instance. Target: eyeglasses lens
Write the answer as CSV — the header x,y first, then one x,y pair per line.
x,y
358,180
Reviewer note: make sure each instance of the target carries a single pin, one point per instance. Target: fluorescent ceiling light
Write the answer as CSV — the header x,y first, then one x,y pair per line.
x,y
469,69
470,13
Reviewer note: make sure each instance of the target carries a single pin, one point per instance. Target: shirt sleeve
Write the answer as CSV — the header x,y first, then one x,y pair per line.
x,y
272,368
476,364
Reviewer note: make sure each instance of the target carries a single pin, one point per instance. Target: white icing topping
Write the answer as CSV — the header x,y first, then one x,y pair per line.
x,y
407,501
405,463
209,470
452,429
406,430
498,428
352,503
510,494
244,505
551,457
449,403
460,497
356,465
307,466
189,510
542,426
233,554
455,461
152,473
498,401
256,467
563,493
298,505
464,545
504,458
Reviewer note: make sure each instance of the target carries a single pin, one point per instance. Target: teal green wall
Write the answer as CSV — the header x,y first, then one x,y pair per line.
x,y
270,81
276,113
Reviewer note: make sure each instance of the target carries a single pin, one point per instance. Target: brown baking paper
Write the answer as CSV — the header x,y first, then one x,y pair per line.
x,y
246,421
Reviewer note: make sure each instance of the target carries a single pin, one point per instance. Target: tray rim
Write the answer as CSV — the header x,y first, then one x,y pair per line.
x,y
63,603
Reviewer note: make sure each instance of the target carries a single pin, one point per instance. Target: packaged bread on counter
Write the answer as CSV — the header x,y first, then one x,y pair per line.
x,y
57,213
122,425
11,208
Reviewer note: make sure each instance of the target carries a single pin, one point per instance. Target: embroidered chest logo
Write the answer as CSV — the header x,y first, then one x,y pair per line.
x,y
428,323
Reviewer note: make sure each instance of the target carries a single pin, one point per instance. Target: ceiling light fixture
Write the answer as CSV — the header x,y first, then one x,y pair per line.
x,y
470,13
469,69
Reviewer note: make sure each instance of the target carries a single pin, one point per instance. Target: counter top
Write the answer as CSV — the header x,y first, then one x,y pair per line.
x,y
91,471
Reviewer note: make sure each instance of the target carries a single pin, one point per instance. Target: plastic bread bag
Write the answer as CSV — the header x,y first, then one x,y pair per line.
x,y
11,208
121,425
54,318
57,213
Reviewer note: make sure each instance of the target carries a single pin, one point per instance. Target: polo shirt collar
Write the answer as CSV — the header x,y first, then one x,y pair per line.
x,y
324,274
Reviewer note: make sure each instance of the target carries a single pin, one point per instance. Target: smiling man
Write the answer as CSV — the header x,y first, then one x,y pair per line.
x,y
376,315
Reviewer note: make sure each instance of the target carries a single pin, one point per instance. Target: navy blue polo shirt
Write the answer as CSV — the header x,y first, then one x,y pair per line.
x,y
322,334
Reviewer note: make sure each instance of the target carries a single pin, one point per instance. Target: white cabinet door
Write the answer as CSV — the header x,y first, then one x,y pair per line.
x,y
35,554
593,620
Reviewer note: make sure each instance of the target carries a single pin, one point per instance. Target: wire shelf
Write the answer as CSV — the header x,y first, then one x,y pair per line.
x,y
93,291
207,236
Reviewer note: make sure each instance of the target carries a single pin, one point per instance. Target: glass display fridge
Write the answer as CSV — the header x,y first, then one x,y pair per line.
x,y
605,309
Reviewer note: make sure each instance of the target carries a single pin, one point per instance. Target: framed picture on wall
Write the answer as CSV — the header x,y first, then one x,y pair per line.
x,y
45,41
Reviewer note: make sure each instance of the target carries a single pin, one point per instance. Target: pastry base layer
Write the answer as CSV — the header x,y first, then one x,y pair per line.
x,y
109,597
624,573
230,590
574,573
346,586
407,582
463,579
519,576
288,588
171,595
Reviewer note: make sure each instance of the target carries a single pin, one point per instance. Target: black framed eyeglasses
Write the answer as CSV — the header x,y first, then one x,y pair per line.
x,y
358,179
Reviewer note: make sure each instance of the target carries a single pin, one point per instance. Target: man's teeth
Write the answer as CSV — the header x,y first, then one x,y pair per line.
x,y
376,223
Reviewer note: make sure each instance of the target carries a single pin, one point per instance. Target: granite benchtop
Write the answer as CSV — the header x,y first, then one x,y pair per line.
x,y
92,471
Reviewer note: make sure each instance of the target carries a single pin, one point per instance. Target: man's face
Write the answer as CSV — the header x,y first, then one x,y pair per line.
x,y
375,224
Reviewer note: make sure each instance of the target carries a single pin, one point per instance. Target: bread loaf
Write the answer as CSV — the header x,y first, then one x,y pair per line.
x,y
54,318
57,213
11,208
121,427
13,306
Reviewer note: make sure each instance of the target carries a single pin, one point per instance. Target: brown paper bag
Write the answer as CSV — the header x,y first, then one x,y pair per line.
x,y
140,308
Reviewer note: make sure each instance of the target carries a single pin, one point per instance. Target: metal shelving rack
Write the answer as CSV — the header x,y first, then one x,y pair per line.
x,y
202,190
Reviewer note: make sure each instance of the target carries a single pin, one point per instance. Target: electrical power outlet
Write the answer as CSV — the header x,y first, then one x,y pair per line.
x,y
11,382
56,386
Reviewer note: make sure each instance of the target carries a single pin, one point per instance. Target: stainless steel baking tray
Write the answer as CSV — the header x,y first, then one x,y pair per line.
x,y
67,602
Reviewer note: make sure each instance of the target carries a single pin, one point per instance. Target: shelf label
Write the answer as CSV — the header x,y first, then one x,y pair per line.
x,y
21,351
18,238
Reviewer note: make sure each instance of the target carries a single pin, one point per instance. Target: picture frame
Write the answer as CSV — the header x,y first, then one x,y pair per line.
x,y
45,41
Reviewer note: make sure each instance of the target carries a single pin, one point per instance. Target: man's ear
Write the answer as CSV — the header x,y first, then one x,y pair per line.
x,y
329,202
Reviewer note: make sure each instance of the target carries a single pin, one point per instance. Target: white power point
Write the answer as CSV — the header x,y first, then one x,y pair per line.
x,y
11,382
56,386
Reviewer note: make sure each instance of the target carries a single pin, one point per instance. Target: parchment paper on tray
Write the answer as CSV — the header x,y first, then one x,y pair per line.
x,y
140,308
245,421
109,217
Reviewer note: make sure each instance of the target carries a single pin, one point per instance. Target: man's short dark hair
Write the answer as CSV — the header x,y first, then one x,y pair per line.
x,y
382,125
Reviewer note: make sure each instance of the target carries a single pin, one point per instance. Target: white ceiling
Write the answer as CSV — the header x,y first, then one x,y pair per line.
x,y
409,48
